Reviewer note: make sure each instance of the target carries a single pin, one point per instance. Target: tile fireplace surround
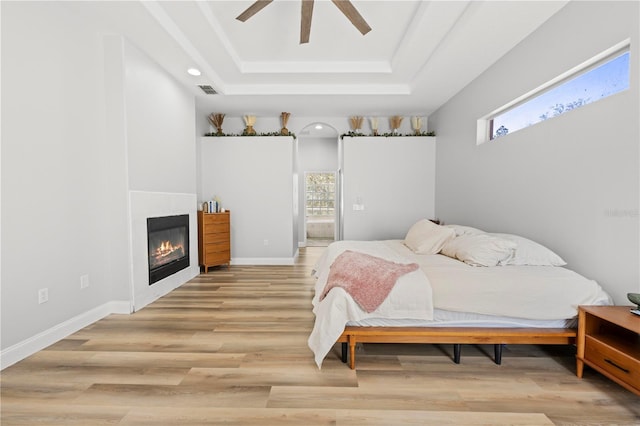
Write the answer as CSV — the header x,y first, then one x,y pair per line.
x,y
154,204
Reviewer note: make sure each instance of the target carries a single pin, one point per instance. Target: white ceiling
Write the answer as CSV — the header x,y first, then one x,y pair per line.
x,y
417,55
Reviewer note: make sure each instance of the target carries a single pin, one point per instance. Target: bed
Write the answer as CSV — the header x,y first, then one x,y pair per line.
x,y
466,287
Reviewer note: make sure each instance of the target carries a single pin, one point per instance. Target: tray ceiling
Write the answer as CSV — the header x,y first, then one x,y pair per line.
x,y
417,55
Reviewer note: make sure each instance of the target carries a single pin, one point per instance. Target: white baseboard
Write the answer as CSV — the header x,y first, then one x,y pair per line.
x,y
28,347
263,261
302,244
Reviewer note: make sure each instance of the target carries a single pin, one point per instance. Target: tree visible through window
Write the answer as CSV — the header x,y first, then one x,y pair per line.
x,y
320,194
590,86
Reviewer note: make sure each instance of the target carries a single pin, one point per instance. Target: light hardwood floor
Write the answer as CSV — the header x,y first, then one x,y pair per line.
x,y
230,347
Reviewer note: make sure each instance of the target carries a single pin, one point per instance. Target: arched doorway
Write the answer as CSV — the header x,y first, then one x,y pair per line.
x,y
319,185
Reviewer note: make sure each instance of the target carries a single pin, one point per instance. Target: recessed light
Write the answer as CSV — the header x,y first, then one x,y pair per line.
x,y
318,126
194,71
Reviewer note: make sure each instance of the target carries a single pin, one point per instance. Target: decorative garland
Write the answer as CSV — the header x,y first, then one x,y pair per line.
x,y
217,119
245,133
386,135
350,134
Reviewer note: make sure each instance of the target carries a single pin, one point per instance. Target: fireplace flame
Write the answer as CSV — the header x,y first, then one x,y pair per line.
x,y
166,248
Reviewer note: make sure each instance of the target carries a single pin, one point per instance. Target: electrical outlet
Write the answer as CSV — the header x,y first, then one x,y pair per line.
x,y
84,282
43,295
266,242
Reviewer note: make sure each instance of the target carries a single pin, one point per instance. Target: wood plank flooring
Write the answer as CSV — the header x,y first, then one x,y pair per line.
x,y
230,347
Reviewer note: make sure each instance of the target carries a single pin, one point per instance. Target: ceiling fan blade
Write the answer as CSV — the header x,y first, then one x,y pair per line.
x,y
353,15
305,20
253,9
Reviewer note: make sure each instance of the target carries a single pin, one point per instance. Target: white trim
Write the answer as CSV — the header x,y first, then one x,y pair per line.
x,y
573,71
190,194
264,260
28,347
483,123
169,25
482,132
216,27
317,89
336,212
305,67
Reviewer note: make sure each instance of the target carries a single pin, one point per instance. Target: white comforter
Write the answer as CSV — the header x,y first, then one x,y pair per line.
x,y
410,298
529,292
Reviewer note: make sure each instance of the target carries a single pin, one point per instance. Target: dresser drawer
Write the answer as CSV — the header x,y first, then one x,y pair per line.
x,y
214,228
218,218
217,258
613,361
217,238
217,247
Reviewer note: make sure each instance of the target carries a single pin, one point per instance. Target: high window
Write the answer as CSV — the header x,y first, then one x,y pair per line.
x,y
603,76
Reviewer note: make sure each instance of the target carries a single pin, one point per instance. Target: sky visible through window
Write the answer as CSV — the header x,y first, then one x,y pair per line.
x,y
605,80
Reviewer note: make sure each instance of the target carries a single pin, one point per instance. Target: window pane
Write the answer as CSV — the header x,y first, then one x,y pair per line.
x,y
598,83
320,194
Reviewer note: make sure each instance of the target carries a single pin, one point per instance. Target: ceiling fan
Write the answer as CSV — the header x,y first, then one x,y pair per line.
x,y
345,7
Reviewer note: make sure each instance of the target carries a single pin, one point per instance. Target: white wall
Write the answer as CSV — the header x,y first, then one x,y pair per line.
x,y
83,115
54,175
393,179
161,138
572,182
318,154
161,157
254,179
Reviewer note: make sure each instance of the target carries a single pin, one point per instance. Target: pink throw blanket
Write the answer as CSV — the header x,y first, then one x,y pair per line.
x,y
368,279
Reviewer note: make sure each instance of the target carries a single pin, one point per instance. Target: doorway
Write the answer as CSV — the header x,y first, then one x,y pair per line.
x,y
320,208
319,176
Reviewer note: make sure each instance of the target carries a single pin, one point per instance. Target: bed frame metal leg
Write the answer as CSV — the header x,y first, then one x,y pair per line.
x,y
344,352
497,351
457,347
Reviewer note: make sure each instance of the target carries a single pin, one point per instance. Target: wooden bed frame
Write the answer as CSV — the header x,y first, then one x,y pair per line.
x,y
455,335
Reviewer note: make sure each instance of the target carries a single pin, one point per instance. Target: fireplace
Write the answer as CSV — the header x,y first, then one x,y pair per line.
x,y
168,244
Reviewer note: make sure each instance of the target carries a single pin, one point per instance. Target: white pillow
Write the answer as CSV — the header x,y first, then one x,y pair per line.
x,y
464,230
479,249
425,237
530,253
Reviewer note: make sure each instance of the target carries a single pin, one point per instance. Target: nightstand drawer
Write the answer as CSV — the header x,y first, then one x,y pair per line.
x,y
611,360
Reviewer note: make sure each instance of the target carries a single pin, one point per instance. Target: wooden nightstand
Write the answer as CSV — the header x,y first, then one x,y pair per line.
x,y
609,342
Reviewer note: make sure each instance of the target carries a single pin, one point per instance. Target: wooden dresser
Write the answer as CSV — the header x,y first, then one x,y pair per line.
x,y
214,239
609,342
